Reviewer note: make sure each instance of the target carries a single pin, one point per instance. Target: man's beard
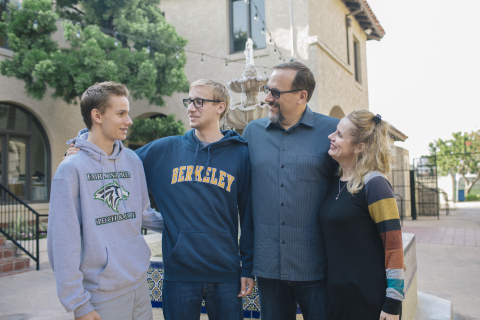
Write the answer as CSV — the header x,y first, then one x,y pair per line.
x,y
277,118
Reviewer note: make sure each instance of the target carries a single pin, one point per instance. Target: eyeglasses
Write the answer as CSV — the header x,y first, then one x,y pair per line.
x,y
275,93
198,103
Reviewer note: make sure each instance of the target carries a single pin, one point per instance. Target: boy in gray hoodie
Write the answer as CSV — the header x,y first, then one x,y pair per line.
x,y
98,206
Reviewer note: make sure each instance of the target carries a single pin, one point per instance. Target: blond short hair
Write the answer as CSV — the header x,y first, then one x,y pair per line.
x,y
220,92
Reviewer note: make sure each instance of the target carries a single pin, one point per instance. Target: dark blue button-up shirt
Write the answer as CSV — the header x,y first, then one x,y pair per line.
x,y
291,171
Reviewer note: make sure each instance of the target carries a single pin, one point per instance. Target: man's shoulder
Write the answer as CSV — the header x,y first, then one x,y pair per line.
x,y
258,123
324,123
166,141
319,117
160,144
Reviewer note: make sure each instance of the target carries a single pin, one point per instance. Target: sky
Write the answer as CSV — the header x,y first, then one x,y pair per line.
x,y
424,75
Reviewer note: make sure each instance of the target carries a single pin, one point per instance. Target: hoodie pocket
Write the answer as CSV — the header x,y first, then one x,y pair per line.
x,y
127,262
200,252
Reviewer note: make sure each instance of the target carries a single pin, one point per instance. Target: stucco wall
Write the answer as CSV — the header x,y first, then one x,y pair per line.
x,y
319,42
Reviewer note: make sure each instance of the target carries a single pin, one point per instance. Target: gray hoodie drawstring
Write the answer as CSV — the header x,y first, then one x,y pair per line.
x,y
103,178
118,179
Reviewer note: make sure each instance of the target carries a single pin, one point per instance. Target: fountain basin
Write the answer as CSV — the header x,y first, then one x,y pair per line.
x,y
238,116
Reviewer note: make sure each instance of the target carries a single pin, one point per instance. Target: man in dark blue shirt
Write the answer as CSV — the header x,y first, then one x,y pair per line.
x,y
291,172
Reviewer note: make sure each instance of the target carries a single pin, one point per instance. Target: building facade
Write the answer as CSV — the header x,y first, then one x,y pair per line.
x,y
329,36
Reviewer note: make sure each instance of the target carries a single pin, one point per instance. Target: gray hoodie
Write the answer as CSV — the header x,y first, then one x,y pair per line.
x,y
98,205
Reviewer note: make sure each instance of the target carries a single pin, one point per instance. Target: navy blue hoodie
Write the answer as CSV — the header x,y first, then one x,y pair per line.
x,y
202,192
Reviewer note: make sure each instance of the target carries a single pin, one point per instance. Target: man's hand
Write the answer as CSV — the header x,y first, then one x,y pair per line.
x,y
90,316
247,287
71,150
387,316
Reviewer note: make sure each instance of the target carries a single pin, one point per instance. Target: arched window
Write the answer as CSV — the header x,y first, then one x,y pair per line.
x,y
337,112
24,154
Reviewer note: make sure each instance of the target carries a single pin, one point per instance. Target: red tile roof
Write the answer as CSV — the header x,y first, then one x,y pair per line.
x,y
370,11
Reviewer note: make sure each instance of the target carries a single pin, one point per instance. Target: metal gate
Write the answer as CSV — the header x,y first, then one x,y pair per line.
x,y
425,193
400,180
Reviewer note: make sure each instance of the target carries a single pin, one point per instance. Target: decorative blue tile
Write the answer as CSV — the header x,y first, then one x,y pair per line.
x,y
251,303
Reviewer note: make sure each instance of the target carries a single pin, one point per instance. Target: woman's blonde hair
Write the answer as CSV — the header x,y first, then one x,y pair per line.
x,y
377,154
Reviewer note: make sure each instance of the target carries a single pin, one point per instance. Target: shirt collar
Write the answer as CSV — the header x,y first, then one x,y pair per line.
x,y
306,119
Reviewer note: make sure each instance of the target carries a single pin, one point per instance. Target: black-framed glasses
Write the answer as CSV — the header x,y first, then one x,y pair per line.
x,y
275,93
197,103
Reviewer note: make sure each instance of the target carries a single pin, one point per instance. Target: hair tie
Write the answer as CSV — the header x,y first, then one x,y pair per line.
x,y
377,119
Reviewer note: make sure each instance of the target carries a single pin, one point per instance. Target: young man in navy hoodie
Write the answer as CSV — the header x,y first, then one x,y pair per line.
x,y
98,205
201,184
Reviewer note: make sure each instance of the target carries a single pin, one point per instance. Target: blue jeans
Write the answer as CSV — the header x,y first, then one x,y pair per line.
x,y
279,298
183,300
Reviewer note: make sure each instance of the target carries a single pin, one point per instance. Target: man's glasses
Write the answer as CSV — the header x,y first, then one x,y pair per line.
x,y
198,103
275,93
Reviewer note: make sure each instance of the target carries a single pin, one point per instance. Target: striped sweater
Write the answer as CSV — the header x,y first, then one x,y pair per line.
x,y
384,212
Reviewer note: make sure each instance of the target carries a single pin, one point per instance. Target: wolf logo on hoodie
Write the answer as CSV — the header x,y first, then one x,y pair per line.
x,y
111,194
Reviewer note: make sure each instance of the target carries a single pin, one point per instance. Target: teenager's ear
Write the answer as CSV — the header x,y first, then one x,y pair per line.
x,y
96,116
221,107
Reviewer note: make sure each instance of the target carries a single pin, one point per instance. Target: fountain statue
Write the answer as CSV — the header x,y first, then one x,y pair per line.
x,y
239,115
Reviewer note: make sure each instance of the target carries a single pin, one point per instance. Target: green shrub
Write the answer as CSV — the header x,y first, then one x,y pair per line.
x,y
472,197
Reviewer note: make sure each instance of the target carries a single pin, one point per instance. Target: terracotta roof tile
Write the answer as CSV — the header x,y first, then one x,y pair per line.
x,y
370,11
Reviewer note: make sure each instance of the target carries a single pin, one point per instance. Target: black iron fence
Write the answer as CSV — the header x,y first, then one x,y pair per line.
x,y
400,180
426,187
21,224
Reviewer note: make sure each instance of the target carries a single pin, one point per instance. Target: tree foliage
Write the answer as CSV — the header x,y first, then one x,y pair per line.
x,y
93,56
147,130
461,154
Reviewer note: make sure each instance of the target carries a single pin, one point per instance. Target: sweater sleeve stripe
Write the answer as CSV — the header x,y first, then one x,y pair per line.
x,y
395,273
388,225
384,212
385,209
392,239
380,194
395,294
394,259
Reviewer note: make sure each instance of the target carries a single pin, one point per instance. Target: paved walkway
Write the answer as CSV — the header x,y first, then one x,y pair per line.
x,y
448,236
448,257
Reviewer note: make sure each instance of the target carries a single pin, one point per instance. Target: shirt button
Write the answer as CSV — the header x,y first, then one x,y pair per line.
x,y
282,166
283,223
283,242
285,134
281,185
282,204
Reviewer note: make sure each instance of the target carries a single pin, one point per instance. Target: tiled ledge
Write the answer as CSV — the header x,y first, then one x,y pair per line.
x,y
6,53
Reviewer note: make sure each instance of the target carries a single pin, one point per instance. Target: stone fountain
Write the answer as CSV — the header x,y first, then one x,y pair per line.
x,y
250,108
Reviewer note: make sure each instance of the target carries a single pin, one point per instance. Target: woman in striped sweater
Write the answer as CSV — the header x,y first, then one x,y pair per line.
x,y
361,224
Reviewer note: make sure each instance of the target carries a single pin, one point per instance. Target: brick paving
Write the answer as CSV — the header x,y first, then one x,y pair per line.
x,y
446,236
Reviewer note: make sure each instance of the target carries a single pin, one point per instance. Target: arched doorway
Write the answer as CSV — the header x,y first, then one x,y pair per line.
x,y
337,112
24,154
